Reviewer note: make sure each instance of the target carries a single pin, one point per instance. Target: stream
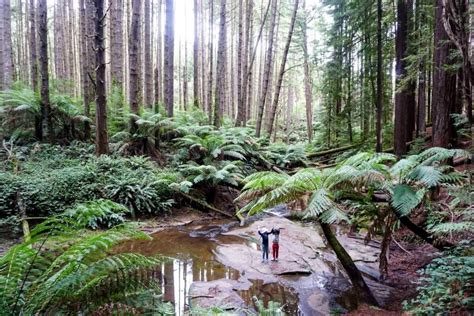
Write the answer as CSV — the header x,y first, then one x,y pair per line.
x,y
218,263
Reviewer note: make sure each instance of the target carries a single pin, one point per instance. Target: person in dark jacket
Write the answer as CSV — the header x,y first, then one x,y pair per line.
x,y
264,235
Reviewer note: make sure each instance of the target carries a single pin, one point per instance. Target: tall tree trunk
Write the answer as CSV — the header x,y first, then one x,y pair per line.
x,y
421,117
348,107
361,288
308,89
401,96
101,139
134,39
147,58
169,57
196,75
185,77
211,61
159,60
444,84
45,104
240,65
282,70
220,93
267,69
84,51
250,65
379,101
32,43
116,43
2,46
7,68
456,22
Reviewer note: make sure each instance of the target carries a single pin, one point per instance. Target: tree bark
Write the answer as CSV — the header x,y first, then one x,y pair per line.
x,y
220,93
101,140
134,38
147,58
45,104
279,83
362,290
444,84
32,43
159,61
169,57
211,61
379,100
267,69
401,95
421,117
308,89
241,61
7,68
116,45
196,76
84,52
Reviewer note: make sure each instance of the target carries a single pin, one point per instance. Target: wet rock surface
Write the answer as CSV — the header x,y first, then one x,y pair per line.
x,y
222,265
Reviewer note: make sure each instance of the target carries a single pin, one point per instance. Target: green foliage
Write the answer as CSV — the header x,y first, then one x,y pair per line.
x,y
284,155
446,285
139,194
405,199
52,179
60,270
455,217
272,309
20,111
98,214
224,173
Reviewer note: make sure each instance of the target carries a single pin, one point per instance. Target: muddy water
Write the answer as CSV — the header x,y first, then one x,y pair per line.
x,y
192,252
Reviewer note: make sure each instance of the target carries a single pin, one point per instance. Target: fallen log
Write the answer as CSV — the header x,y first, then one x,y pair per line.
x,y
332,151
203,205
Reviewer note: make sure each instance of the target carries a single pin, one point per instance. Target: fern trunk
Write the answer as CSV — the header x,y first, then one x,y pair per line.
x,y
362,289
423,234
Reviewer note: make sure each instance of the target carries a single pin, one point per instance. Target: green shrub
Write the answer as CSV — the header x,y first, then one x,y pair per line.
x,y
62,270
140,195
98,214
446,285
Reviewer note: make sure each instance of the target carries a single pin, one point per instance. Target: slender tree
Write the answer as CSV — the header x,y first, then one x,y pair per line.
x,y
196,75
401,95
444,83
116,43
32,44
101,139
44,72
147,57
241,55
308,88
169,57
159,59
279,82
379,99
267,68
220,93
133,59
210,60
7,68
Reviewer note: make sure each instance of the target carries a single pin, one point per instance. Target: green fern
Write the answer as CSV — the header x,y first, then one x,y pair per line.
x,y
97,214
38,277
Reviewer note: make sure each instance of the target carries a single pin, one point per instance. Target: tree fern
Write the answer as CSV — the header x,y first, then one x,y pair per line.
x,y
36,277
405,198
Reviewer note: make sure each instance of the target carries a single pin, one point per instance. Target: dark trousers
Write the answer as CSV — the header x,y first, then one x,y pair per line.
x,y
275,248
264,251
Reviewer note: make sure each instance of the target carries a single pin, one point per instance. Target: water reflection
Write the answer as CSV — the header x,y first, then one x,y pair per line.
x,y
193,260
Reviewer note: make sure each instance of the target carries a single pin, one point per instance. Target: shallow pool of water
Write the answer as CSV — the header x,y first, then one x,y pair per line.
x,y
191,249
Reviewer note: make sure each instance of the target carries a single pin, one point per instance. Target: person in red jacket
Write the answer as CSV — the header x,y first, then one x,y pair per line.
x,y
275,243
